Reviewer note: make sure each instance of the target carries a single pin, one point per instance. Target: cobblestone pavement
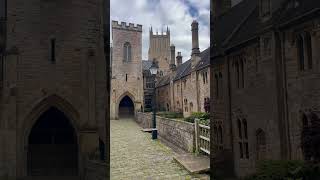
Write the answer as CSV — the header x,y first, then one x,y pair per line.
x,y
134,155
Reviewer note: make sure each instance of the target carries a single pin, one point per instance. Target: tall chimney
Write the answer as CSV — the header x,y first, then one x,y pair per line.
x,y
179,59
195,38
172,60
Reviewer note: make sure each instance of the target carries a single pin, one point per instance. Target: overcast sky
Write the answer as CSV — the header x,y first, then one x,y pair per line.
x,y
177,14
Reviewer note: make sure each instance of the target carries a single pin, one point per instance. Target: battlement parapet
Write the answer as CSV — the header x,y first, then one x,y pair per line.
x,y
124,26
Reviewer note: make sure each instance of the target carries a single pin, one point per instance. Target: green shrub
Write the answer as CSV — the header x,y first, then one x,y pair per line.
x,y
202,116
285,170
171,115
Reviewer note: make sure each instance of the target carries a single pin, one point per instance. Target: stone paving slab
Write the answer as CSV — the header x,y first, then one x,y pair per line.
x,y
134,155
194,164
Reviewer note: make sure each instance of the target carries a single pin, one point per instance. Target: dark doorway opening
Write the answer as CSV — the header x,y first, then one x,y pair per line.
x,y
53,149
126,108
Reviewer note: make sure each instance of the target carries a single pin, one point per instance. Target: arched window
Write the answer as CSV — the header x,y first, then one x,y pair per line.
x,y
191,107
245,128
215,131
300,49
308,45
261,144
127,52
239,129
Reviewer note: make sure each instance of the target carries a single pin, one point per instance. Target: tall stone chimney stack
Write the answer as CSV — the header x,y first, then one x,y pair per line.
x,y
179,59
172,59
195,38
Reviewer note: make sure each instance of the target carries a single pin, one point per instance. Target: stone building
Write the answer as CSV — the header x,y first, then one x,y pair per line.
x,y
127,80
53,86
186,88
266,68
159,49
148,85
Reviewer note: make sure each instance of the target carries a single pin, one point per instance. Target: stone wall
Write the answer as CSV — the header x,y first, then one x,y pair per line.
x,y
175,132
95,170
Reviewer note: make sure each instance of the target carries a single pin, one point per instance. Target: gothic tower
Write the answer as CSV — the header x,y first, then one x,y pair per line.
x,y
159,49
127,80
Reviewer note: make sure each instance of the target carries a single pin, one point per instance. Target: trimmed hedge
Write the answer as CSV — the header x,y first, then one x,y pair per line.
x,y
172,115
285,170
202,116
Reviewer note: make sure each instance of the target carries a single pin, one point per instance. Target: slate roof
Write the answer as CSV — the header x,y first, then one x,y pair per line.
x,y
244,24
165,80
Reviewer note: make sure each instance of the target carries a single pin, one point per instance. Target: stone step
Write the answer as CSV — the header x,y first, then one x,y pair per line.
x,y
194,163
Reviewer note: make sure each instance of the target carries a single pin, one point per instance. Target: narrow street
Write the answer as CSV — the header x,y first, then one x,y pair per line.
x,y
134,155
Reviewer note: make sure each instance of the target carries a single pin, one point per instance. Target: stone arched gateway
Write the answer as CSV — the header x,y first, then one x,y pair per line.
x,y
126,106
38,120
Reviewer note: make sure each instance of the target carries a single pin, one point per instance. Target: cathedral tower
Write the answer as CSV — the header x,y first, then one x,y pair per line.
x,y
159,49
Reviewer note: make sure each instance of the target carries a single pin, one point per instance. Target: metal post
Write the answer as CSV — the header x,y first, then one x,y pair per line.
x,y
154,130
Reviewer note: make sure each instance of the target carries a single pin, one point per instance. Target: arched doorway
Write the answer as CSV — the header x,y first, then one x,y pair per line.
x,y
53,147
126,108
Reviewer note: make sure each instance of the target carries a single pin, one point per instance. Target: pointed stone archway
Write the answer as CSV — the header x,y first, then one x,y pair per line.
x,y
57,114
52,146
126,108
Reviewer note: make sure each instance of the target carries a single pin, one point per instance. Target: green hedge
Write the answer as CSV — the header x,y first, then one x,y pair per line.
x,y
285,170
173,115
202,116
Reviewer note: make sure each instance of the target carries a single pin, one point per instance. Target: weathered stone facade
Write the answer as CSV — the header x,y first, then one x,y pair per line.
x,y
186,87
264,82
159,49
54,58
127,79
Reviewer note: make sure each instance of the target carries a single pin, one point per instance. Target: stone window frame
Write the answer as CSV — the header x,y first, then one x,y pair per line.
x,y
239,68
261,144
304,50
53,48
127,52
243,141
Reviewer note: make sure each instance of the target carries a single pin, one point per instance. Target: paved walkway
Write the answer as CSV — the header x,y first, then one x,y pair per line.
x,y
134,155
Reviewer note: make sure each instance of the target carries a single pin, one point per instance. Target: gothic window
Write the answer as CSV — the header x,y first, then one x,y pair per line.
x,y
184,84
161,73
243,138
191,107
127,52
261,144
217,85
245,128
126,77
1,69
308,46
241,150
239,128
215,131
300,49
53,50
